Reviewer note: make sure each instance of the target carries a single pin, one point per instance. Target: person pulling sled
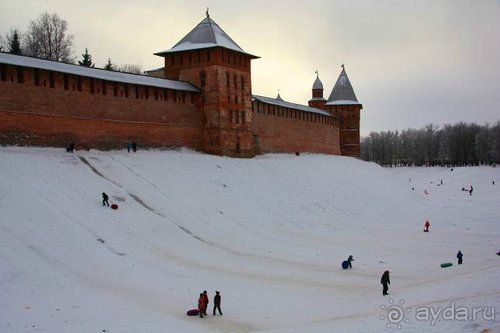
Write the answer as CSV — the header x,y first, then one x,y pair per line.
x,y
105,199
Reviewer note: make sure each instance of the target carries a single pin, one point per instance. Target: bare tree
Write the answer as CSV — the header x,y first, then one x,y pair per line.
x,y
128,68
48,38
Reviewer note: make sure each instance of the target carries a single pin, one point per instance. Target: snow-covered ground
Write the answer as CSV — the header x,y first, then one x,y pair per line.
x,y
268,232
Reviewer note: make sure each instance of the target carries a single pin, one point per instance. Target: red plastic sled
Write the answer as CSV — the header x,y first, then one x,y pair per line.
x,y
114,206
193,312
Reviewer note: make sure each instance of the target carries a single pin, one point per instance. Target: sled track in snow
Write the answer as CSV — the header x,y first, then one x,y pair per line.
x,y
85,161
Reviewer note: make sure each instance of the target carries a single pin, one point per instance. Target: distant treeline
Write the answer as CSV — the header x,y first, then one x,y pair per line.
x,y
461,144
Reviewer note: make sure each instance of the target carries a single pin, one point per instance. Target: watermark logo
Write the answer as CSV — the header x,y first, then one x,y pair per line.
x,y
395,313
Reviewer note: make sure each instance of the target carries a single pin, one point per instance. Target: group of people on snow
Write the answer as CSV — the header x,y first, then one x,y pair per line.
x,y
131,146
203,303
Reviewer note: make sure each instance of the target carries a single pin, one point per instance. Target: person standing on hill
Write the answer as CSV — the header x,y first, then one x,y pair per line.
x,y
217,302
426,226
134,146
386,281
201,305
205,297
460,257
105,199
471,189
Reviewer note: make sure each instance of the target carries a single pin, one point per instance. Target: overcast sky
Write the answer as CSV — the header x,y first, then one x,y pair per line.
x,y
410,62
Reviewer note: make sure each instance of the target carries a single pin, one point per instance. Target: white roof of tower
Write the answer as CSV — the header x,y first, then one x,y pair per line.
x,y
206,34
342,92
317,83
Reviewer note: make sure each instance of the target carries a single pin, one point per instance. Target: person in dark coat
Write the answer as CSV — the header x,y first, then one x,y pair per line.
x,y
205,296
105,199
217,302
460,257
129,146
347,263
386,281
134,146
70,148
426,226
201,304
471,189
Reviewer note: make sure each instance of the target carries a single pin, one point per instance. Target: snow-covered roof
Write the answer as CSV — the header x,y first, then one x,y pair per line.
x,y
97,73
342,92
281,102
317,83
205,35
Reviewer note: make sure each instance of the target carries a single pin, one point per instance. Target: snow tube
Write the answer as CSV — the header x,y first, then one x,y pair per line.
x,y
446,264
345,264
193,312
114,206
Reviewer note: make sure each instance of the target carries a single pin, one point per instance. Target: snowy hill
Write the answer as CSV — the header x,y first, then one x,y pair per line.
x,y
269,232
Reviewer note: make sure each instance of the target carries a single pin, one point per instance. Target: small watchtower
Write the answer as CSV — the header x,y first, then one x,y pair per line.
x,y
317,100
343,104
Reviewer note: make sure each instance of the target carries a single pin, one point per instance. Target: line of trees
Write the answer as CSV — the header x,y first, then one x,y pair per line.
x,y
47,37
461,144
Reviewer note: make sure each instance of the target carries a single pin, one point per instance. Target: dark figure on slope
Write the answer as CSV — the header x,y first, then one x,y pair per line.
x,y
201,304
426,226
205,296
386,281
347,263
471,189
134,146
105,199
70,148
217,302
460,257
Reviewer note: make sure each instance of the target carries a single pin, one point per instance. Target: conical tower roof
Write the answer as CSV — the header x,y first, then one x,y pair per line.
x,y
317,83
342,92
206,34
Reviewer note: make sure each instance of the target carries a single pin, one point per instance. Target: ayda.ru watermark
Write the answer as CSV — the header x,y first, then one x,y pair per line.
x,y
397,314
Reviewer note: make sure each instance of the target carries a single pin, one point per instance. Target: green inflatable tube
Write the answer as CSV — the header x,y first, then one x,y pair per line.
x,y
446,264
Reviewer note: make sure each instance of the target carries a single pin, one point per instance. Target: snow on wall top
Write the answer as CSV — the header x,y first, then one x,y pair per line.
x,y
281,102
342,92
97,73
205,35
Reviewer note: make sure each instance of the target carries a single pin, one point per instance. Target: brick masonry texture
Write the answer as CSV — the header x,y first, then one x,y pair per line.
x,y
43,108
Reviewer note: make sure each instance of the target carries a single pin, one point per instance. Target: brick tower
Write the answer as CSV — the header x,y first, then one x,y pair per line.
x,y
317,100
343,104
208,58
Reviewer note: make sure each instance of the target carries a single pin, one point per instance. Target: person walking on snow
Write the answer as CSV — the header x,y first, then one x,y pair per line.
x,y
129,146
460,257
217,302
201,304
347,263
205,296
105,199
470,191
426,226
134,146
385,280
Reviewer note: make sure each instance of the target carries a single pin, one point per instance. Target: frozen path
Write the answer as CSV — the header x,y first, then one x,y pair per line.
x,y
269,232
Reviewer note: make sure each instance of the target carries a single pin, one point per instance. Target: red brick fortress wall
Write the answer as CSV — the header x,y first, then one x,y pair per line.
x,y
45,108
282,130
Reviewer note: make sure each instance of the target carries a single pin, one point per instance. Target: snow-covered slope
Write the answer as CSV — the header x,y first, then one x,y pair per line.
x,y
269,232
